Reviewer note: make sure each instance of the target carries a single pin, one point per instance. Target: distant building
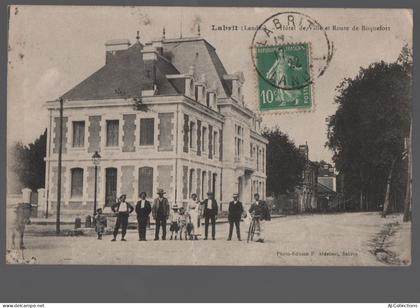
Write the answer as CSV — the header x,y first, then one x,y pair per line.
x,y
327,176
195,135
307,197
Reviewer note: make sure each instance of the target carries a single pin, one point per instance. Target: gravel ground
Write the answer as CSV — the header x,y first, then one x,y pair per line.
x,y
344,239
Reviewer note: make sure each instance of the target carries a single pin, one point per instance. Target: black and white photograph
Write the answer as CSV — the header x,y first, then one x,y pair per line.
x,y
211,136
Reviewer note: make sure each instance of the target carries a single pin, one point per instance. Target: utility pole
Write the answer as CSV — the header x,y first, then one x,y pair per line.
x,y
60,152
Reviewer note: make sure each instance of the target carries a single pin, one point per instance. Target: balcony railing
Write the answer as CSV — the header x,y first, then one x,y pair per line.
x,y
247,163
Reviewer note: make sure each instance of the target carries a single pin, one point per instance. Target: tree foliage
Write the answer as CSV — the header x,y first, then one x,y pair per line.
x,y
366,134
29,164
285,163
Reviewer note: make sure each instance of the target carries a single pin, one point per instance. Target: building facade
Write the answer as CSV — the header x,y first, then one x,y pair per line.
x,y
307,192
327,176
164,114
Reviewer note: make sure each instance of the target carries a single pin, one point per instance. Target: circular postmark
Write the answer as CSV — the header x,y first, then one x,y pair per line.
x,y
289,51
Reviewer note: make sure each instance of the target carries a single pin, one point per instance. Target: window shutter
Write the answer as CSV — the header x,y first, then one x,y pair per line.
x,y
186,131
198,137
210,142
221,145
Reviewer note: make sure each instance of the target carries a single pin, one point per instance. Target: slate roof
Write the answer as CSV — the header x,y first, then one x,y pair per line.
x,y
123,76
184,53
124,73
322,189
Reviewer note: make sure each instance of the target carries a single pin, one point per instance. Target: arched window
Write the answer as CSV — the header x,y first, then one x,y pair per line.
x,y
146,181
77,182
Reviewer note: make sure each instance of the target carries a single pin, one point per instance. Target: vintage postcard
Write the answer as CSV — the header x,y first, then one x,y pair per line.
x,y
209,136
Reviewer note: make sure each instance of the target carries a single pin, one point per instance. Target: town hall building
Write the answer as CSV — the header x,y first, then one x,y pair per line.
x,y
164,114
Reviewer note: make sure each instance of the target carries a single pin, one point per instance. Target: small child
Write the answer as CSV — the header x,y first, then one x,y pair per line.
x,y
184,219
174,218
100,223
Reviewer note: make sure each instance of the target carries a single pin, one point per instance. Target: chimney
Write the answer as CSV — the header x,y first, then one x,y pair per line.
x,y
236,81
150,55
113,46
158,46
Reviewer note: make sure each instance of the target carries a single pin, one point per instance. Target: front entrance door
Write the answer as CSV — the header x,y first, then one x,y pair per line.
x,y
240,188
110,186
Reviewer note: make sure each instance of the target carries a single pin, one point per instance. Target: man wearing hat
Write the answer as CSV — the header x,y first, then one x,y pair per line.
x,y
260,209
234,217
123,210
210,211
143,210
160,212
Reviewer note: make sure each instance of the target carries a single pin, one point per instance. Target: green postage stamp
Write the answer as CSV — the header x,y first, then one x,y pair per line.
x,y
284,79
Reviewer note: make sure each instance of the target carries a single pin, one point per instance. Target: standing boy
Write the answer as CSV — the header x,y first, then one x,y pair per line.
x,y
100,223
174,219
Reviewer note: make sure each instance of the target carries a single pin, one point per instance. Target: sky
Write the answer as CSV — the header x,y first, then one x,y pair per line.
x,y
53,48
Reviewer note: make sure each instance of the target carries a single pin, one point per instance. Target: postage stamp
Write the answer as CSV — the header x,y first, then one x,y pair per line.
x,y
290,52
284,76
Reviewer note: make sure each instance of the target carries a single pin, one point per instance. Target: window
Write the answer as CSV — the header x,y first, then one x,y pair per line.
x,y
193,135
258,158
146,181
239,141
147,131
205,137
203,184
79,134
215,143
196,93
191,182
208,95
263,160
112,133
77,182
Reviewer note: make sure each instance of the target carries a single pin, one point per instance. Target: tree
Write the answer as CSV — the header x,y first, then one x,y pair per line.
x,y
29,164
285,164
368,130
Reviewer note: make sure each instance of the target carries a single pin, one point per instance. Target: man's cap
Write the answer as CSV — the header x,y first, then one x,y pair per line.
x,y
123,195
160,191
175,206
209,193
235,195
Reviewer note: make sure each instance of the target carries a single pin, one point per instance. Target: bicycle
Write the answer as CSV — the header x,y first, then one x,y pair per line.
x,y
252,227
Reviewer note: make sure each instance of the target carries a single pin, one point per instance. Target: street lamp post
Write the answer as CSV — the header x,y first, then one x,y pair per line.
x,y
95,159
60,152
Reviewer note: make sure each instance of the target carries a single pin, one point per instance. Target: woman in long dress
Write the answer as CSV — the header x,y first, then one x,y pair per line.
x,y
194,212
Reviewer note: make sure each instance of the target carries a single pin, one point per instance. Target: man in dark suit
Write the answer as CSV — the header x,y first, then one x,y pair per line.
x,y
143,209
234,216
123,210
210,211
160,212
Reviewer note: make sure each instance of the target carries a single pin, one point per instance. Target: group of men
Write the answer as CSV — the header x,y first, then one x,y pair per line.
x,y
209,210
